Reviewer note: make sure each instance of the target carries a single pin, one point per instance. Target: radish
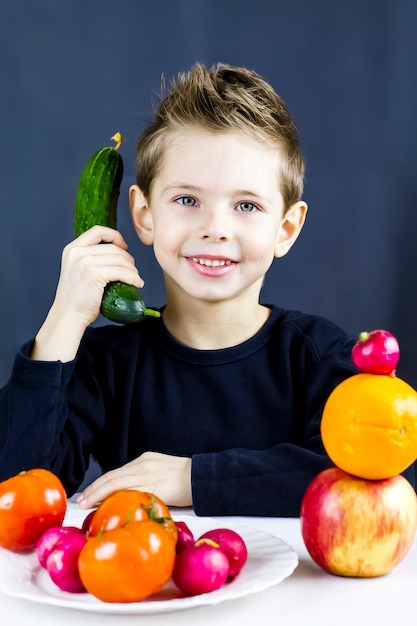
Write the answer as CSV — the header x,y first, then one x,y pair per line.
x,y
62,563
48,540
185,537
85,527
200,568
233,546
376,352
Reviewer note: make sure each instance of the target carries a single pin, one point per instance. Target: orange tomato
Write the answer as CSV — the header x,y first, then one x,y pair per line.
x,y
128,563
30,503
129,505
369,426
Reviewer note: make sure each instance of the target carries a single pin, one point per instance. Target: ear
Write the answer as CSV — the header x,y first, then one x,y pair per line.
x,y
290,228
141,215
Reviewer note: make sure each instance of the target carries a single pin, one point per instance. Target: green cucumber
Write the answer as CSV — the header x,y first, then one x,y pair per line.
x,y
96,203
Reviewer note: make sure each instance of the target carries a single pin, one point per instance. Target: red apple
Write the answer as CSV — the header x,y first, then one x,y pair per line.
x,y
376,352
357,527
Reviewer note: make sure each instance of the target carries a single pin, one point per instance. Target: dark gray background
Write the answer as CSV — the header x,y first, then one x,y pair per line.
x,y
74,72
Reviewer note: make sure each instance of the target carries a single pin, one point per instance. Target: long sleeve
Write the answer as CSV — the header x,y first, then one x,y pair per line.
x,y
32,413
38,427
249,482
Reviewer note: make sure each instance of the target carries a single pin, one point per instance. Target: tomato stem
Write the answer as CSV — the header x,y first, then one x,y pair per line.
x,y
152,512
128,517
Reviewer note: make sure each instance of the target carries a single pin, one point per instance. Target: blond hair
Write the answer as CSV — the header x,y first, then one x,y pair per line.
x,y
223,98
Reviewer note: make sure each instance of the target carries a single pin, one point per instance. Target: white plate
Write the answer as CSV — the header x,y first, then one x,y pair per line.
x,y
270,560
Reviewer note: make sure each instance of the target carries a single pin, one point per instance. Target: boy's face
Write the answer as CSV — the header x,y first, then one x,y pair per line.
x,y
215,215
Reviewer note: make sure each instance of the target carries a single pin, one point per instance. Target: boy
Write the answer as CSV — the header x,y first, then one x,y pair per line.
x,y
216,404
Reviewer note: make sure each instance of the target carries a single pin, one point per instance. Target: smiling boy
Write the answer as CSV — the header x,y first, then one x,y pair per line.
x,y
216,404
215,218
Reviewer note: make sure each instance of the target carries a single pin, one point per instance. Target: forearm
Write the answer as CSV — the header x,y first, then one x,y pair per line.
x,y
87,267
255,483
32,414
58,338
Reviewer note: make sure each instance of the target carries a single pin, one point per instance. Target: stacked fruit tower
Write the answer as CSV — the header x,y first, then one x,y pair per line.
x,y
360,517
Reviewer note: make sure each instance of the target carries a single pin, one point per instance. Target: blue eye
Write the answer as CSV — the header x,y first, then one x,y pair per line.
x,y
186,201
247,207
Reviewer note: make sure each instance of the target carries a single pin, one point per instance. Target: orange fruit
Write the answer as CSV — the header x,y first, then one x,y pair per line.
x,y
369,426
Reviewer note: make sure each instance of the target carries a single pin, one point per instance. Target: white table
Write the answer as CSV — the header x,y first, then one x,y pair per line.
x,y
308,596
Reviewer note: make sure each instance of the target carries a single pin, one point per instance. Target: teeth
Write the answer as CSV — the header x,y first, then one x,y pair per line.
x,y
211,262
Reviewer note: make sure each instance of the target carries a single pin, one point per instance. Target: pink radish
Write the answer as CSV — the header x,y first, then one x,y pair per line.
x,y
200,568
376,352
62,563
85,527
48,540
233,546
185,537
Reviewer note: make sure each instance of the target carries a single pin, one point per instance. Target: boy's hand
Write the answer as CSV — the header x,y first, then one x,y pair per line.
x,y
87,267
168,477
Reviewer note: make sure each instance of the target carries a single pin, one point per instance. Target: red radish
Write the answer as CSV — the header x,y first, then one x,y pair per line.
x,y
62,563
48,540
185,537
376,352
233,546
85,527
200,568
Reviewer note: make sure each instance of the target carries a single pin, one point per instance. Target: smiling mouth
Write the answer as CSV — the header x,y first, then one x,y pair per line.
x,y
211,262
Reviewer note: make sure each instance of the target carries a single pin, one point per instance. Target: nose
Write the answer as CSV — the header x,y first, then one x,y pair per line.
x,y
216,226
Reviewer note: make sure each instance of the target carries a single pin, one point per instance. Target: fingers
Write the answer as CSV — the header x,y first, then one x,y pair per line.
x,y
106,485
169,477
89,263
101,263
99,234
107,263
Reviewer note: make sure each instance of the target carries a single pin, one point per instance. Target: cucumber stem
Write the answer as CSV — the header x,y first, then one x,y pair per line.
x,y
117,137
151,312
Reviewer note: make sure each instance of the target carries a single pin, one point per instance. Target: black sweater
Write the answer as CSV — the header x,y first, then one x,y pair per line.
x,y
249,416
